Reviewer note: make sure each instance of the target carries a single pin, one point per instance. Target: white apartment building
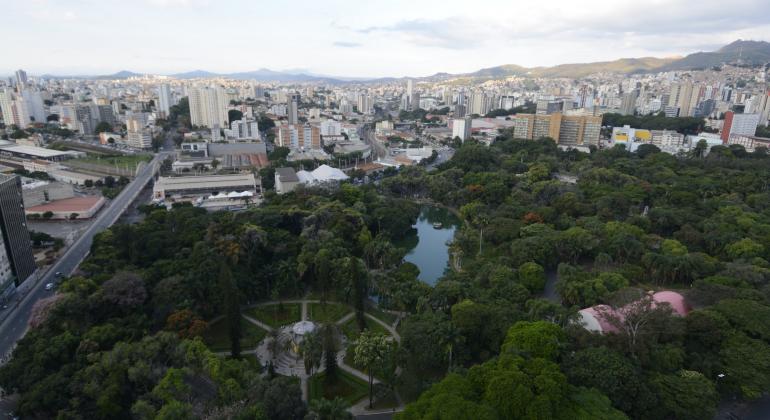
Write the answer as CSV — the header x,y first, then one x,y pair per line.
x,y
164,100
208,106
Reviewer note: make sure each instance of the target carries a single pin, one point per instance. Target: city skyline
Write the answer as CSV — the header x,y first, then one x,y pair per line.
x,y
345,39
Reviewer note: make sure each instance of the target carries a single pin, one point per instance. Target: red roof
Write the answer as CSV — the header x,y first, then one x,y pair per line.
x,y
73,205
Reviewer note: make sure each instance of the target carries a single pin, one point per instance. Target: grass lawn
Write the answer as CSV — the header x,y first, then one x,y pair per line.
x,y
386,317
273,316
346,386
120,161
329,313
351,331
217,338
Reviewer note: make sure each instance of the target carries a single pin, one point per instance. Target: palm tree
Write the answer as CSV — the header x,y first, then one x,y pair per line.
x,y
323,409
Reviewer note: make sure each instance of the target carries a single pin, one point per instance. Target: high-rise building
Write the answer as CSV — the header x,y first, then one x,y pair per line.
x,y
21,78
461,127
208,106
298,136
414,101
628,103
365,105
564,129
739,124
681,96
16,260
164,100
34,102
244,129
84,119
138,135
292,108
409,91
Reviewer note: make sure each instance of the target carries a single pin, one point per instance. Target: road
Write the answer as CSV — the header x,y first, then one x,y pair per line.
x,y
378,150
15,325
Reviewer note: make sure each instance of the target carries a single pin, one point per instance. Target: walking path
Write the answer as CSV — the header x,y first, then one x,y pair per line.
x,y
289,364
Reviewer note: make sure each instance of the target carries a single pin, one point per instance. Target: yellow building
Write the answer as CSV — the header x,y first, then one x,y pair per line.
x,y
564,129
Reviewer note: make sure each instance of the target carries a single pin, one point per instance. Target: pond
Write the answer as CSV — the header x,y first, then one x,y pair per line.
x,y
428,244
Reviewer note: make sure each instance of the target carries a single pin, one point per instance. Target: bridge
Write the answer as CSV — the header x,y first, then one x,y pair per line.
x,y
14,324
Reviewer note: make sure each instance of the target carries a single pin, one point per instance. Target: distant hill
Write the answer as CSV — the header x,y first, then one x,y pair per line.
x,y
738,52
744,52
195,74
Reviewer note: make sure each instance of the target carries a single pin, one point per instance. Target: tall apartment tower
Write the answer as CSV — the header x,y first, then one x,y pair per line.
x,y
21,78
164,100
208,106
291,108
16,260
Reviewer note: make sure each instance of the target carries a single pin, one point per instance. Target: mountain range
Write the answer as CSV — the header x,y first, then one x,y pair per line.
x,y
740,51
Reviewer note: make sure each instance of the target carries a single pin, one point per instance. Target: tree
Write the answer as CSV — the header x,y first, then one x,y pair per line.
x,y
231,308
323,409
312,352
630,314
613,374
234,115
103,127
73,216
329,336
534,339
48,215
125,289
532,276
370,351
688,395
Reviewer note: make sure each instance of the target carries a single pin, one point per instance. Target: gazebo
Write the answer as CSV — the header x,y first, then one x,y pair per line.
x,y
298,332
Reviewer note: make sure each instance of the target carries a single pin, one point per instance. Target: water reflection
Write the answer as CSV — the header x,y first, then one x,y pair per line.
x,y
428,244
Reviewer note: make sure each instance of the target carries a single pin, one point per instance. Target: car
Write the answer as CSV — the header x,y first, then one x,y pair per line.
x,y
59,274
49,286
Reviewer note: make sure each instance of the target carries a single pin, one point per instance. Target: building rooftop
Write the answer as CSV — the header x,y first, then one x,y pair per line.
x,y
205,181
35,151
73,205
287,175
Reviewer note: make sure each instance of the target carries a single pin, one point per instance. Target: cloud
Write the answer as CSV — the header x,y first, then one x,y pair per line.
x,y
347,44
655,25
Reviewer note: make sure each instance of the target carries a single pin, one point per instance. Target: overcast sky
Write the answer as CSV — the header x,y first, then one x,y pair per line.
x,y
359,38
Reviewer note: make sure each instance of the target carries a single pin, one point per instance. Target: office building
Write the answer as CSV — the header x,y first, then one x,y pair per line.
x,y
739,124
577,130
164,100
16,260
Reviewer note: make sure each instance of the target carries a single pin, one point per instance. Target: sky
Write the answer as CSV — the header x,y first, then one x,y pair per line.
x,y
359,38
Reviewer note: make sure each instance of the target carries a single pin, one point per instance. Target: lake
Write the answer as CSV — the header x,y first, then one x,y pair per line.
x,y
427,246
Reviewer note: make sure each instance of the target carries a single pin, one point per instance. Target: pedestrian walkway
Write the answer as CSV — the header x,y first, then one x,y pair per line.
x,y
287,363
